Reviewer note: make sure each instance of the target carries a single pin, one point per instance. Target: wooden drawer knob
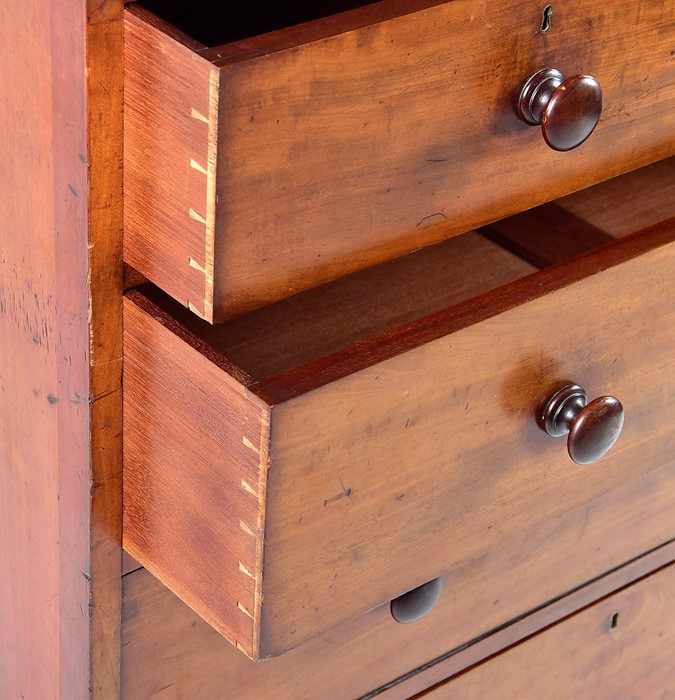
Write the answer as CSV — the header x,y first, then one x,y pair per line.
x,y
568,110
415,604
591,429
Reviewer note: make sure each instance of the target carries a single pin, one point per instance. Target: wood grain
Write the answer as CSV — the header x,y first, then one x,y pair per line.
x,y
585,656
426,448
366,304
194,513
53,537
334,154
437,453
546,235
60,313
554,232
166,644
624,204
105,34
169,156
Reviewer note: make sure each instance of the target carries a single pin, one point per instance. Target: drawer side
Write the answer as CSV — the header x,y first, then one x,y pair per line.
x,y
195,448
170,135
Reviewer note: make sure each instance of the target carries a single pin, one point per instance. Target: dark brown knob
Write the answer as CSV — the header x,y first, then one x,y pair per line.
x,y
415,604
568,110
591,429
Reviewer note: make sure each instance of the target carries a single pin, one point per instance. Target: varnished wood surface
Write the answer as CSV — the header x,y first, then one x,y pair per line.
x,y
44,382
166,645
585,656
624,204
366,304
105,54
60,348
432,451
546,235
592,217
328,148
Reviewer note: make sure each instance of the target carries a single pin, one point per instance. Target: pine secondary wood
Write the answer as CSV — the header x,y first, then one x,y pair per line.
x,y
260,168
371,470
621,647
166,644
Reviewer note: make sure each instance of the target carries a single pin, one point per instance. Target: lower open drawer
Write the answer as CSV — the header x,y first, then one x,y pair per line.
x,y
293,468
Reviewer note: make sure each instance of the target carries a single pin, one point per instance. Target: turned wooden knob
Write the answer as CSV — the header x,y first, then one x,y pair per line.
x,y
568,110
591,428
415,604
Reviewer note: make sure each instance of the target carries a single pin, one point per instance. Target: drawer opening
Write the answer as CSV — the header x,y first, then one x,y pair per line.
x,y
370,305
213,22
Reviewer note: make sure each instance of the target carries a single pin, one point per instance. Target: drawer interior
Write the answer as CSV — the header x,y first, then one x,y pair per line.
x,y
241,20
316,325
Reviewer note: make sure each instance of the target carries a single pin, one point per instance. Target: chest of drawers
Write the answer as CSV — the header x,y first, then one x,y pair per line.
x,y
401,274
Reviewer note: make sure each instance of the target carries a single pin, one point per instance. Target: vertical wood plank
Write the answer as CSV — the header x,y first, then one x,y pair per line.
x,y
104,58
44,382
60,348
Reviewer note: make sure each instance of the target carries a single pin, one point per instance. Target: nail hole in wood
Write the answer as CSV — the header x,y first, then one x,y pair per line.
x,y
614,623
547,19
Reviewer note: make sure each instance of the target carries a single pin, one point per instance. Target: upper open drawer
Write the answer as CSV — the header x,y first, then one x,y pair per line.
x,y
269,165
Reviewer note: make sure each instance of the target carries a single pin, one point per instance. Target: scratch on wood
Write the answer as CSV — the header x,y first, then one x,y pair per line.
x,y
431,216
244,570
244,610
197,217
195,264
196,114
73,190
199,168
250,445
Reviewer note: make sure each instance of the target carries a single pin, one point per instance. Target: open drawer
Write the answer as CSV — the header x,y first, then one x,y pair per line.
x,y
260,166
290,469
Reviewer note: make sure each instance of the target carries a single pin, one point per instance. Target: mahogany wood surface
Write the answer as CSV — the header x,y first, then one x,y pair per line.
x,y
571,225
620,647
422,455
201,510
60,349
105,34
264,167
285,335
623,204
166,645
546,235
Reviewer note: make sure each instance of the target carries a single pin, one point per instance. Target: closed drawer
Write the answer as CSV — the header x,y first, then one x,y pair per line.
x,y
259,168
283,478
621,647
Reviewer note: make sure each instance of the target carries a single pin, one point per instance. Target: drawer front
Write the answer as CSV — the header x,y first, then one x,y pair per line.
x,y
360,475
621,647
258,169
373,650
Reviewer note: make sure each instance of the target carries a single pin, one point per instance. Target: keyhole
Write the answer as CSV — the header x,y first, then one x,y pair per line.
x,y
547,19
614,622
